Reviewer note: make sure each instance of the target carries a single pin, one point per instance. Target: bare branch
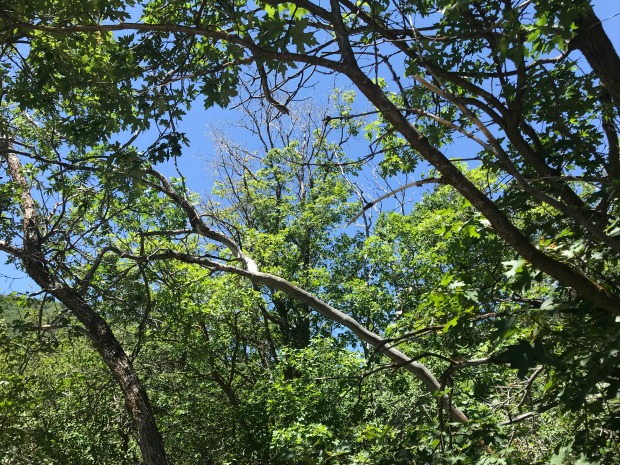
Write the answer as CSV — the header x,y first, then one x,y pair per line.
x,y
391,193
518,418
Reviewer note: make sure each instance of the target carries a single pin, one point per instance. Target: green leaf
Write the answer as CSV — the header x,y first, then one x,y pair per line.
x,y
451,323
515,267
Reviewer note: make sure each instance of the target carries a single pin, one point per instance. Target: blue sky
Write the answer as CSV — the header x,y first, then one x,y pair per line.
x,y
196,125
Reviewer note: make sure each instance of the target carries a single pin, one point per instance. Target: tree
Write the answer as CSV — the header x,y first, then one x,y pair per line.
x,y
78,74
84,222
281,38
43,235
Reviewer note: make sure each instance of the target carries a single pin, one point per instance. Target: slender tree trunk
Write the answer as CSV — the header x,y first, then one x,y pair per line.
x,y
136,399
37,267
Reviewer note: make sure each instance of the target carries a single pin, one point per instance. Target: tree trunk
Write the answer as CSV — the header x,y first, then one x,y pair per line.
x,y
136,399
37,267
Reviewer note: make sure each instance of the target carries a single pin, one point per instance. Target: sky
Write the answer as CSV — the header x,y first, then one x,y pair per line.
x,y
198,123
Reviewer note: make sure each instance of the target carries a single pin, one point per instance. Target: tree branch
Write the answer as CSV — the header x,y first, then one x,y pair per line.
x,y
395,191
597,48
329,312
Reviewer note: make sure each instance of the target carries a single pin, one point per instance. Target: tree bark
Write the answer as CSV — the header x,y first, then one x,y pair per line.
x,y
593,42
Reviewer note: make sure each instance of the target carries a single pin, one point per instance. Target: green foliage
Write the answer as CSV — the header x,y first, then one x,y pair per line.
x,y
58,403
242,373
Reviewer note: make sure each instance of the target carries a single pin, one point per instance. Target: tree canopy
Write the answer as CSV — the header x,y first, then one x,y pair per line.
x,y
297,314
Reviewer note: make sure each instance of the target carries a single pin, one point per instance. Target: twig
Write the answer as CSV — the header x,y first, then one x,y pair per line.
x,y
395,191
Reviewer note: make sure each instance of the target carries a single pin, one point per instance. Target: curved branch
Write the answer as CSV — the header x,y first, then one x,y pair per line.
x,y
217,35
500,223
522,182
329,312
196,221
267,93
